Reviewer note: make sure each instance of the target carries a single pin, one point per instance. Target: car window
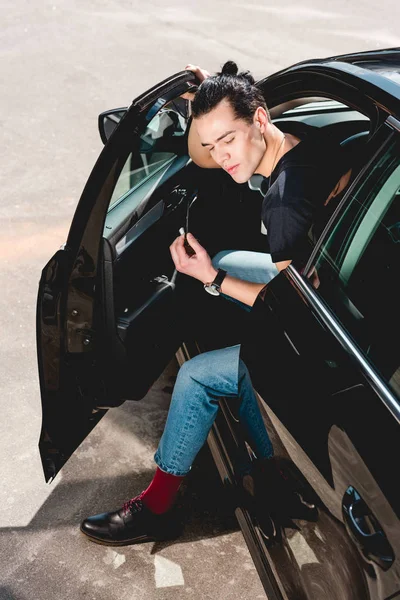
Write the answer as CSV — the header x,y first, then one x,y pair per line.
x,y
357,268
160,143
312,104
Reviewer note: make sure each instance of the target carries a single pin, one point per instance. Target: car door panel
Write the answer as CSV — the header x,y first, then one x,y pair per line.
x,y
80,353
322,432
138,228
143,249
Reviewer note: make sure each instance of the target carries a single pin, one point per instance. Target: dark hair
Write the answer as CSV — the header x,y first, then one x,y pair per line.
x,y
237,88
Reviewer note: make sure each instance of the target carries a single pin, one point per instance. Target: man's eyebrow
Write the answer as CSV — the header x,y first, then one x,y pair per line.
x,y
220,137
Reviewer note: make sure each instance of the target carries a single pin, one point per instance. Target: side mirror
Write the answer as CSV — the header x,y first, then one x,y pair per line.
x,y
109,121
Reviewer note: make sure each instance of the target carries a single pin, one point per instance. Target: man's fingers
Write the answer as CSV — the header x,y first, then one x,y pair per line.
x,y
200,73
194,243
180,251
174,253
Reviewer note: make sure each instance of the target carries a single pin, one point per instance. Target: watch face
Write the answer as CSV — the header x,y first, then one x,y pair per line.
x,y
212,289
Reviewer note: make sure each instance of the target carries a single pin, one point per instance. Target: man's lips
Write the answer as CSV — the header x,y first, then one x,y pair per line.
x,y
232,169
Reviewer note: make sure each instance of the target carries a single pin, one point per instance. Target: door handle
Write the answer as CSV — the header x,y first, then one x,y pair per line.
x,y
365,530
176,197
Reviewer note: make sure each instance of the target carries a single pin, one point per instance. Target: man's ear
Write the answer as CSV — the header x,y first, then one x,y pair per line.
x,y
261,119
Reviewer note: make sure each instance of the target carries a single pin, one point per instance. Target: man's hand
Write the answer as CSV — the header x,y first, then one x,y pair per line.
x,y
198,266
201,75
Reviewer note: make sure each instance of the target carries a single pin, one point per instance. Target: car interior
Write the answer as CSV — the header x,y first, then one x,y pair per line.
x,y
150,309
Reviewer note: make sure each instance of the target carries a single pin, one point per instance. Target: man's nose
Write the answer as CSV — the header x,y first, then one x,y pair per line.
x,y
223,157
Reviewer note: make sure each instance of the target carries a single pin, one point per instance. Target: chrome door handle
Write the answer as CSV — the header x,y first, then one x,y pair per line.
x,y
365,530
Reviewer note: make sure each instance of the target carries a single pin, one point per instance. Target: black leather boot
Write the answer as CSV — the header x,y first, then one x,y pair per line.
x,y
278,494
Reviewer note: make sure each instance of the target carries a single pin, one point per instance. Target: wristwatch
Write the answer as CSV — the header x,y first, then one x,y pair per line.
x,y
214,288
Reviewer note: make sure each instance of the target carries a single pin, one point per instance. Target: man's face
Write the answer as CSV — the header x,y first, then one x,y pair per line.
x,y
234,144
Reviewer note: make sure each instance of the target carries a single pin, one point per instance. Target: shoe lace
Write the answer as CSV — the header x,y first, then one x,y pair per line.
x,y
133,505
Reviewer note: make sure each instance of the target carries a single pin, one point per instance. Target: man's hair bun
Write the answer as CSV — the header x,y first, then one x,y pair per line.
x,y
229,68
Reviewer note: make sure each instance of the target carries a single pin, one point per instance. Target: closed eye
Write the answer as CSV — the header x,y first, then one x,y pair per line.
x,y
226,142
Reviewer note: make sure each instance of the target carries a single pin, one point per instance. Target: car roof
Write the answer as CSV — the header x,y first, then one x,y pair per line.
x,y
387,59
388,55
377,71
384,62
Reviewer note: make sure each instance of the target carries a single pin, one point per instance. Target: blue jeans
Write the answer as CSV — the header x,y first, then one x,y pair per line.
x,y
243,264
201,383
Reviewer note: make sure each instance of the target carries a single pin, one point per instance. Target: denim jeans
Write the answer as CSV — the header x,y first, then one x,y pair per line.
x,y
243,264
201,383
249,266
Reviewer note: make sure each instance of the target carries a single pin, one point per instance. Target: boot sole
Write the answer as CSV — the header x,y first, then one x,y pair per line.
x,y
138,540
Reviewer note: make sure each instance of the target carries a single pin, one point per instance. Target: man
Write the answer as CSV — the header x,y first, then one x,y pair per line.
x,y
232,131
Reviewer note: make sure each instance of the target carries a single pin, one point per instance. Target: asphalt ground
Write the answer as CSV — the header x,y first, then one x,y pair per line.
x,y
62,63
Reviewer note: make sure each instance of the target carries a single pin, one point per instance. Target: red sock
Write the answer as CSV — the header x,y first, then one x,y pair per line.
x,y
162,492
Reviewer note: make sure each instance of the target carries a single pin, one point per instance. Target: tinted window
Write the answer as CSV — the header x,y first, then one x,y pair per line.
x,y
357,269
160,143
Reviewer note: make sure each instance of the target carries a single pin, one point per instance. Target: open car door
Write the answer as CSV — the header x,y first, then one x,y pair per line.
x,y
106,320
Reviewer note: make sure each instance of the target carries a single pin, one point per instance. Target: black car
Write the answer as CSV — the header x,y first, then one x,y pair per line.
x,y
112,312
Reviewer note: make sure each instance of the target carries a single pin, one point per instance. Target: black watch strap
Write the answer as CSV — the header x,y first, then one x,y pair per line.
x,y
220,276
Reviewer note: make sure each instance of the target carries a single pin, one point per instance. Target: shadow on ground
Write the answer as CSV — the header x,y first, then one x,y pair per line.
x,y
206,505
